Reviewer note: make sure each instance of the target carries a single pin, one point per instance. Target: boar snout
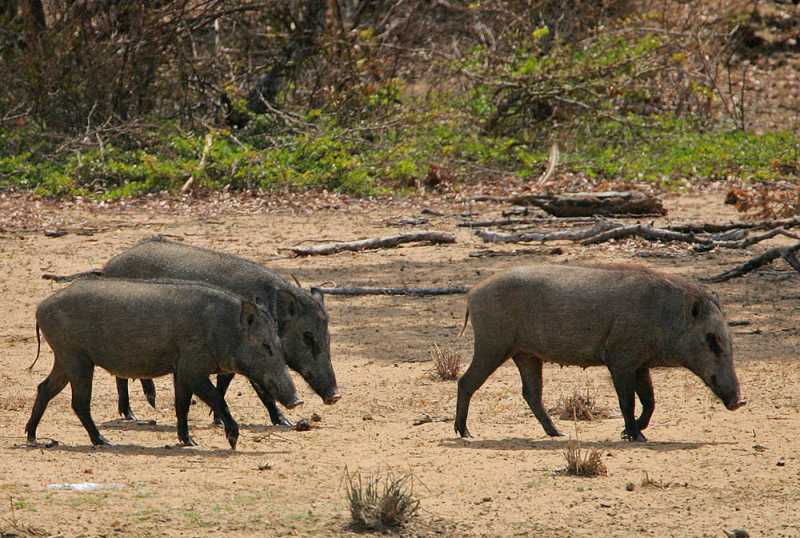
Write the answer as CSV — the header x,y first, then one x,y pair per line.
x,y
728,393
332,398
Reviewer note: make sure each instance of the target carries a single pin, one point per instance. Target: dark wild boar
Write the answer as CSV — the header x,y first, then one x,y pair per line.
x,y
301,316
628,318
147,329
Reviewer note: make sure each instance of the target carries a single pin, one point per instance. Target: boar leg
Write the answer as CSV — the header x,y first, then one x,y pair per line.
x,y
123,400
81,383
644,389
223,382
47,390
275,415
485,360
207,392
183,399
625,385
530,371
149,389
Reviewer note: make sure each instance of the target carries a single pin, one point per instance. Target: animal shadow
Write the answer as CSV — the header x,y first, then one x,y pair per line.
x,y
524,443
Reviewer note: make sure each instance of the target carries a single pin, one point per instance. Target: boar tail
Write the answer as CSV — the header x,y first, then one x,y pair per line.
x,y
94,273
466,318
38,347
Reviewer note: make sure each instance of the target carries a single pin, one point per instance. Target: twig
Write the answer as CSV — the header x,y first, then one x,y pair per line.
x,y
787,253
189,185
379,242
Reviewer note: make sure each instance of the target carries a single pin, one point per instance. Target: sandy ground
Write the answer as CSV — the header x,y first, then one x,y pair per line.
x,y
717,470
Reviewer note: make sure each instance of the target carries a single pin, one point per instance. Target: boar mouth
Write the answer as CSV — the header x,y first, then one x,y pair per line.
x,y
735,403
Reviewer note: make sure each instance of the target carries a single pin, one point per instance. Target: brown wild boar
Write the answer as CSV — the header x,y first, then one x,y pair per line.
x,y
146,329
628,318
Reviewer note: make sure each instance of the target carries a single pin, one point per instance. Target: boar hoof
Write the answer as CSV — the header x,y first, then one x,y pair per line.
x,y
188,442
217,421
33,443
463,432
130,416
100,441
283,421
638,438
555,433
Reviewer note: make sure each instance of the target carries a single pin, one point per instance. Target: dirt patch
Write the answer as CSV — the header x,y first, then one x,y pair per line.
x,y
725,470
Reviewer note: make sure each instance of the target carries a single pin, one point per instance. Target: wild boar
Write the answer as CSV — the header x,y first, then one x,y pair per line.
x,y
301,316
147,329
628,318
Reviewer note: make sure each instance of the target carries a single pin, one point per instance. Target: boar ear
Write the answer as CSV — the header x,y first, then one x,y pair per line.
x,y
286,307
317,294
248,314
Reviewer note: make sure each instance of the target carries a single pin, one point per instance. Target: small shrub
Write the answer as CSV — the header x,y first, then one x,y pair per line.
x,y
581,462
380,501
581,406
446,363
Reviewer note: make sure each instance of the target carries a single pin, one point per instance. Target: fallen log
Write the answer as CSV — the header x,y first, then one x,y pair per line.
x,y
414,292
587,204
564,235
390,241
787,253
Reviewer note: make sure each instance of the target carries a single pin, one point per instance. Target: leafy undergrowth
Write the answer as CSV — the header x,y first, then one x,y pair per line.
x,y
664,150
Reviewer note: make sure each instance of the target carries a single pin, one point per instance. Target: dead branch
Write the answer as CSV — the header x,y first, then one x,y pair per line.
x,y
586,204
564,235
489,253
414,292
190,183
750,241
787,253
390,241
509,221
755,225
646,232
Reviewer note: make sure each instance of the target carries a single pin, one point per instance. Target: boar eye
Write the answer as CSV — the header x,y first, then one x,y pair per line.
x,y
713,343
268,348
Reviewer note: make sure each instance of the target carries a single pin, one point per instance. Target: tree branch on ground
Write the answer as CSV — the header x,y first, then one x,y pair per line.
x,y
369,244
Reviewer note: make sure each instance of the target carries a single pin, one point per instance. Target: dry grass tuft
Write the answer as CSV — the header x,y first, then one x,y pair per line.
x,y
446,363
648,482
380,501
581,406
581,462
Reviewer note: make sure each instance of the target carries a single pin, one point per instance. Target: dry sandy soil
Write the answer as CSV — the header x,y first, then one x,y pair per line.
x,y
713,469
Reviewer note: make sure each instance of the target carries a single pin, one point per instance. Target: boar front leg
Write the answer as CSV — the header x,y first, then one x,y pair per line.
x,y
625,385
644,389
275,415
530,371
207,392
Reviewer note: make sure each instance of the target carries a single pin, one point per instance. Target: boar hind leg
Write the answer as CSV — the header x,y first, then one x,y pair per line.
x,y
206,391
81,383
123,400
485,361
625,385
47,390
644,389
530,371
275,415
